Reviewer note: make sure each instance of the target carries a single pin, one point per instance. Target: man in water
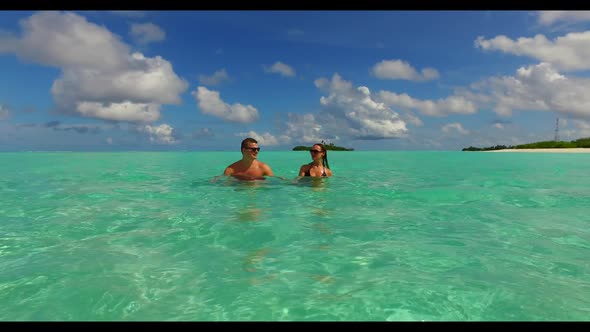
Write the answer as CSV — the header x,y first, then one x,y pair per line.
x,y
249,168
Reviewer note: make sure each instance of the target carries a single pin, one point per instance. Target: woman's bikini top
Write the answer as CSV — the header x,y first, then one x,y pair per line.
x,y
308,174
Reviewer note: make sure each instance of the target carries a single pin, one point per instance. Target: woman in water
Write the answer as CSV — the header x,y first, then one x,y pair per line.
x,y
319,166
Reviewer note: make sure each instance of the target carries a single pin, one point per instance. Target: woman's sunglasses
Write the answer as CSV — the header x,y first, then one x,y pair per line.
x,y
253,149
315,151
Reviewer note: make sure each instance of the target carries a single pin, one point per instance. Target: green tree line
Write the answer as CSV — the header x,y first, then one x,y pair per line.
x,y
579,143
330,146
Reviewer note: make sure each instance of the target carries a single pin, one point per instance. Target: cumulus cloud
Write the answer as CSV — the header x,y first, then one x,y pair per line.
x,y
303,128
413,119
163,134
145,33
100,77
581,128
3,112
537,88
455,127
549,17
401,70
499,124
280,68
215,79
211,103
123,111
354,112
570,52
440,107
263,139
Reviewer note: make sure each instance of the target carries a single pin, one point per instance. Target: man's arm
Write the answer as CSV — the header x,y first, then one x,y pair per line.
x,y
267,170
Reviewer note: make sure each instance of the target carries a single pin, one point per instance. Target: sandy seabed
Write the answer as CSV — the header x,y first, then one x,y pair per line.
x,y
570,150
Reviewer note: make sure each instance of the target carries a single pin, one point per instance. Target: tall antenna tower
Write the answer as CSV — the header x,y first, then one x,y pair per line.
x,y
557,130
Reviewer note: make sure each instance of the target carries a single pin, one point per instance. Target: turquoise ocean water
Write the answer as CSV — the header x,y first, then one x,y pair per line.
x,y
392,236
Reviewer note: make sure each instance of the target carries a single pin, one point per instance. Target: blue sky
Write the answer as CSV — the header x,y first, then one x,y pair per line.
x,y
371,80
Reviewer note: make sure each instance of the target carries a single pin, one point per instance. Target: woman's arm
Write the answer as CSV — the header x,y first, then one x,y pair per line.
x,y
302,170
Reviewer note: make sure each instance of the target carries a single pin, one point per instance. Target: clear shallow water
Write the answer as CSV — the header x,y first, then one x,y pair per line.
x,y
392,236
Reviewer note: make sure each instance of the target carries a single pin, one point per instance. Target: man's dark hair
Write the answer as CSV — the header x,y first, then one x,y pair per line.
x,y
246,141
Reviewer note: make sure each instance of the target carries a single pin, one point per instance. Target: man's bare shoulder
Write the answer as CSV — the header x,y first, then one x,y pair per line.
x,y
235,164
229,170
265,168
261,164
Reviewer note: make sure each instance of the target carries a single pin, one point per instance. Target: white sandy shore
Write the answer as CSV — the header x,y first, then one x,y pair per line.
x,y
571,150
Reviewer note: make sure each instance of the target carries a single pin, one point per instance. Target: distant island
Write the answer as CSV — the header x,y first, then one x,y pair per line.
x,y
329,146
579,143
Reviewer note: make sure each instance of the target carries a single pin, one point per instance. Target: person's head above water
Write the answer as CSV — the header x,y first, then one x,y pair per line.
x,y
319,153
319,166
249,148
249,166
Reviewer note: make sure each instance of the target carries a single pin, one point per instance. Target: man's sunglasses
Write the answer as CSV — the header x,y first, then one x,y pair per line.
x,y
315,151
253,149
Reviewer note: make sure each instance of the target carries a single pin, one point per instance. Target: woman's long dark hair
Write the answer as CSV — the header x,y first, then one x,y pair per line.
x,y
325,157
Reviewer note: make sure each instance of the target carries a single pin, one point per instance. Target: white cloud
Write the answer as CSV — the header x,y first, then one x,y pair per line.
x,y
3,112
411,118
537,88
47,34
100,77
354,112
210,103
401,70
125,111
498,125
581,124
347,112
440,107
582,129
146,33
570,52
550,17
263,139
280,68
163,133
455,127
303,128
215,79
